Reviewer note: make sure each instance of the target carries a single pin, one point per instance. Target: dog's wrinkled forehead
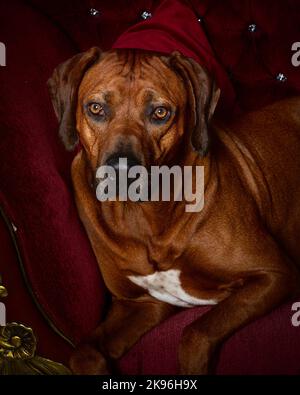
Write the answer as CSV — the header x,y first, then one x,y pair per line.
x,y
125,72
128,79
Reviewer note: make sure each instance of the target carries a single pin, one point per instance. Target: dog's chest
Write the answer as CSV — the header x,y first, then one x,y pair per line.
x,y
166,286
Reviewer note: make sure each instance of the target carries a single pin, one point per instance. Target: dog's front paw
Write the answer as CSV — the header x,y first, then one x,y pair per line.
x,y
86,360
195,354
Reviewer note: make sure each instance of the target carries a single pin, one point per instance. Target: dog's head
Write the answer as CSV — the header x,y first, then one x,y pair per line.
x,y
134,104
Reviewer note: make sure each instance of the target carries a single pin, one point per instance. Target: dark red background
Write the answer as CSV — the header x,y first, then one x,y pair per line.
x,y
35,189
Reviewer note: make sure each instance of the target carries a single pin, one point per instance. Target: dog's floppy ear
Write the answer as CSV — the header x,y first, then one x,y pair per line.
x,y
202,96
63,87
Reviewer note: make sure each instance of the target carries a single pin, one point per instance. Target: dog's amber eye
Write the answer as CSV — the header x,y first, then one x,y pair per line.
x,y
96,109
160,113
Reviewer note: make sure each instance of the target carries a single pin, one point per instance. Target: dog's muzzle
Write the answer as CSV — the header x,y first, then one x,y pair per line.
x,y
122,164
114,178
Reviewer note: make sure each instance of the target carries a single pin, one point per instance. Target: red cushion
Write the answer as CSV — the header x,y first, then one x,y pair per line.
x,y
270,345
35,176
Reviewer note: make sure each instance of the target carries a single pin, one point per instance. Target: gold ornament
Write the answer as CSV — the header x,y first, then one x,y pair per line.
x,y
3,291
17,351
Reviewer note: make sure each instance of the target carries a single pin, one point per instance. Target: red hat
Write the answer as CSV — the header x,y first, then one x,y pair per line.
x,y
175,27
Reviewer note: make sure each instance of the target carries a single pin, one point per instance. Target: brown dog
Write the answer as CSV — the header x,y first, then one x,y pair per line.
x,y
240,252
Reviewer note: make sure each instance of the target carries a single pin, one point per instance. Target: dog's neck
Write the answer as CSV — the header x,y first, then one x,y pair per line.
x,y
160,228
154,228
155,217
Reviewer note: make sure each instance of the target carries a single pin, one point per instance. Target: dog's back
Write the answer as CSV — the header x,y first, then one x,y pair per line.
x,y
269,141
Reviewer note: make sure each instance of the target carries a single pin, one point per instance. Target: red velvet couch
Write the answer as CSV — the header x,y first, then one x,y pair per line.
x,y
47,265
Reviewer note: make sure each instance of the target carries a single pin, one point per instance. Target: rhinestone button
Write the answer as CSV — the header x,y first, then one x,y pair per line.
x,y
94,12
146,15
281,77
252,28
200,19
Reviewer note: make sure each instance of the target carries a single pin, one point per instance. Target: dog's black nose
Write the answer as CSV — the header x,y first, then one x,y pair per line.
x,y
115,182
122,163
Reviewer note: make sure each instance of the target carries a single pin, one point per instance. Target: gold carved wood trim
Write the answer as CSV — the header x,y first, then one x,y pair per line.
x,y
18,350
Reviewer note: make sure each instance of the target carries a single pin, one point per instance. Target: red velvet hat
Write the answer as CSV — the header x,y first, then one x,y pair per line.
x,y
175,27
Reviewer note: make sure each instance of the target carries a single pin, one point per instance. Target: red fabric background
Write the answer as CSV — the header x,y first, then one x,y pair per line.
x,y
35,187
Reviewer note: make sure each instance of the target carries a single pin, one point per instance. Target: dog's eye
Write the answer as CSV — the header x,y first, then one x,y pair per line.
x,y
160,114
96,109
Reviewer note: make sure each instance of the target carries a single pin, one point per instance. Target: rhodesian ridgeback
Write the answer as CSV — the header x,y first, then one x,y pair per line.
x,y
238,254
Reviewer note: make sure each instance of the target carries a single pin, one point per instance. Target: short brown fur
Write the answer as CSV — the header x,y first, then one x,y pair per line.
x,y
241,249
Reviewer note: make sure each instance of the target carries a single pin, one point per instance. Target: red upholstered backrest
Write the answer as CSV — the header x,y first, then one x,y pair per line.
x,y
36,191
253,40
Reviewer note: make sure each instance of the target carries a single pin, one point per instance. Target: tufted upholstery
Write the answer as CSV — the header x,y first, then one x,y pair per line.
x,y
251,40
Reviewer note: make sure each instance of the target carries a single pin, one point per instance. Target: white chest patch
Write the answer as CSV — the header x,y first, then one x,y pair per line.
x,y
166,286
